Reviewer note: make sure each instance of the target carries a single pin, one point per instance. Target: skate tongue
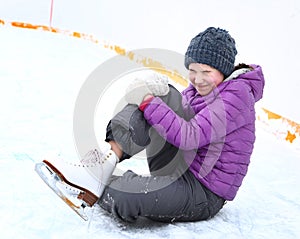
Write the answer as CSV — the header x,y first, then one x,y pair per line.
x,y
65,191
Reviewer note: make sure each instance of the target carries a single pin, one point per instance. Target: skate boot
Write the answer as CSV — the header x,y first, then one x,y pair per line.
x,y
82,183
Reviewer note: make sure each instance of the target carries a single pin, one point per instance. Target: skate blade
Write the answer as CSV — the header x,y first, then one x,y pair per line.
x,y
56,183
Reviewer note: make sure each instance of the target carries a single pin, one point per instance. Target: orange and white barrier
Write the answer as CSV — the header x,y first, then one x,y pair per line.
x,y
283,128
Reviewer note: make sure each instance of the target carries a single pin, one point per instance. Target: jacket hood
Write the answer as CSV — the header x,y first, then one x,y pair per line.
x,y
253,77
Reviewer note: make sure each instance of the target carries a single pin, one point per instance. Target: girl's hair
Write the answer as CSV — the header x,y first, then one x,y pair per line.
x,y
241,66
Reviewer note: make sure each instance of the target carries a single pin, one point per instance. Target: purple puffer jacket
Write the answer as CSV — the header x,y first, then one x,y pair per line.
x,y
217,133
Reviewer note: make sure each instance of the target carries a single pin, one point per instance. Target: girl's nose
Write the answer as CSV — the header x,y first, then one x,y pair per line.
x,y
198,80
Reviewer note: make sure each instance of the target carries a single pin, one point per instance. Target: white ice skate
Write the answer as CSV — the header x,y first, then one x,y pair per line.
x,y
79,184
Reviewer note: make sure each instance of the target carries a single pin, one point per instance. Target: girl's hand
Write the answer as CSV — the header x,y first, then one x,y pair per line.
x,y
154,84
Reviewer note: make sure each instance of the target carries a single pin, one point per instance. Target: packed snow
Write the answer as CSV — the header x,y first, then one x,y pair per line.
x,y
41,74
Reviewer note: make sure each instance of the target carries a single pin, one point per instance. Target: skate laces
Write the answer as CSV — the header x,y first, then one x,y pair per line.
x,y
92,157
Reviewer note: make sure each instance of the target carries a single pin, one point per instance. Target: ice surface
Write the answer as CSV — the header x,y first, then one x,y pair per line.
x,y
41,74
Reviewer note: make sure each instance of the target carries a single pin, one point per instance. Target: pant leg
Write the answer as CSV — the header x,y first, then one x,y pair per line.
x,y
130,129
164,158
159,198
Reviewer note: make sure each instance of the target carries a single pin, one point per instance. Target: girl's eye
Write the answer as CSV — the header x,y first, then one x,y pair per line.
x,y
191,72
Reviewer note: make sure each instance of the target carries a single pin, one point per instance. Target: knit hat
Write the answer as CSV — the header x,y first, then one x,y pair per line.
x,y
213,47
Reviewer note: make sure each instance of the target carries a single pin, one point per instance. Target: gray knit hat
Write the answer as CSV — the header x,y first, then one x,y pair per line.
x,y
213,47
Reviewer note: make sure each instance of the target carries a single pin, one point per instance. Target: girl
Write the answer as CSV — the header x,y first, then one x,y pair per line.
x,y
198,142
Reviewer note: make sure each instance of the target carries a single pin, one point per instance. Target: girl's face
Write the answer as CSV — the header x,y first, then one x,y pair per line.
x,y
204,77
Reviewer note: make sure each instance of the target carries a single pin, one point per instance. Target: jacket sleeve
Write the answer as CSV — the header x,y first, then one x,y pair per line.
x,y
220,116
177,131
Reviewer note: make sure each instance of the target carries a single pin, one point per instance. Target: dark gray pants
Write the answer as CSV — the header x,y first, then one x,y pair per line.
x,y
171,193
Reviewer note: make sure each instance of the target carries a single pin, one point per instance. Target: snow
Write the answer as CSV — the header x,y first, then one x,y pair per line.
x,y
41,74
